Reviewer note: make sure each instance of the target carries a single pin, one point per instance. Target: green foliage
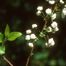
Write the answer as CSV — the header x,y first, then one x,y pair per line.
x,y
2,62
1,37
40,42
52,62
2,50
14,35
7,30
11,36
61,62
21,40
41,55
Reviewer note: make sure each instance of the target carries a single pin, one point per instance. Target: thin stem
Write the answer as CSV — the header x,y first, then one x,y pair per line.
x,y
44,26
7,61
4,56
29,56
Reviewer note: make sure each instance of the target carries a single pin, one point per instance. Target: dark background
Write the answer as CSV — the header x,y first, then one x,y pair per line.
x,y
20,15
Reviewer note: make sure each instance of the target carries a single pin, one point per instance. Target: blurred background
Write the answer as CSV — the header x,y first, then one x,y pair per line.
x,y
20,15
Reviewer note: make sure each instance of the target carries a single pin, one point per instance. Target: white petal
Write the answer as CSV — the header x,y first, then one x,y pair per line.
x,y
51,42
40,8
27,37
33,36
34,25
54,24
38,13
28,31
31,44
48,11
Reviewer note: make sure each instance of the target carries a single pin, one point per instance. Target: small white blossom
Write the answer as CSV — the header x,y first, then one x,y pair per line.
x,y
51,42
33,36
30,44
53,16
51,2
34,25
38,13
61,1
40,8
64,5
56,29
64,11
28,31
54,24
49,29
27,37
48,11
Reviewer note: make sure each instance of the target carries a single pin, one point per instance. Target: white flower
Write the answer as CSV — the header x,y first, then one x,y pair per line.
x,y
61,1
31,44
34,25
27,37
51,42
54,24
33,36
56,29
40,8
53,16
28,31
51,2
38,13
64,5
49,29
64,11
48,11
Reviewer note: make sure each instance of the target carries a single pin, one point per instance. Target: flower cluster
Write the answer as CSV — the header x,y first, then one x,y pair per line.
x,y
52,28
30,36
39,10
53,1
54,25
50,42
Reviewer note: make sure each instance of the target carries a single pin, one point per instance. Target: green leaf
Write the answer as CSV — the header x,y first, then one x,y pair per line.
x,y
7,30
2,50
1,37
14,35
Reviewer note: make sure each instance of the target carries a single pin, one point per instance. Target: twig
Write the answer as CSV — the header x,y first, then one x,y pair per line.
x,y
29,56
7,61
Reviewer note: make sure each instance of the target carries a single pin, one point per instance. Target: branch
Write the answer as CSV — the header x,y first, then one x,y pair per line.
x,y
7,61
29,56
